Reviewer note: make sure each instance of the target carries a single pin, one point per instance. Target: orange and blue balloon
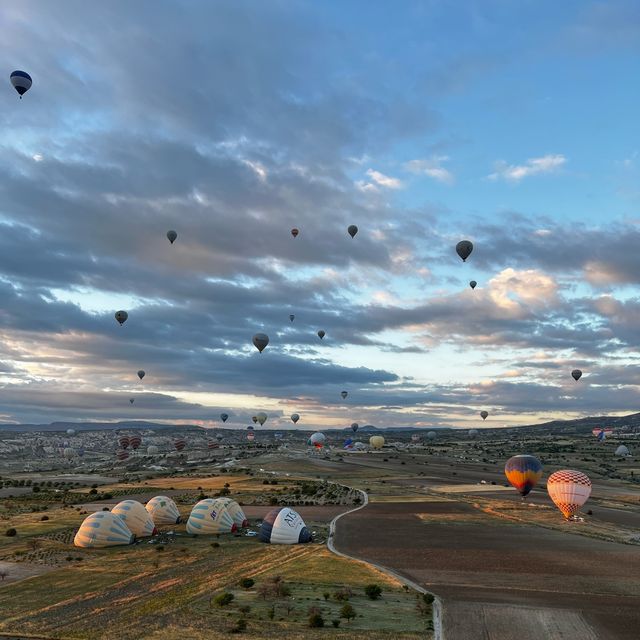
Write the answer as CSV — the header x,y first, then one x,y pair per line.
x,y
523,472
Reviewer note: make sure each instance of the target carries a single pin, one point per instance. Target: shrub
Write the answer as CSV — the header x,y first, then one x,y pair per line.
x,y
44,518
93,491
223,599
373,591
326,595
335,623
316,621
35,489
215,545
342,595
11,532
273,501
160,547
239,626
247,583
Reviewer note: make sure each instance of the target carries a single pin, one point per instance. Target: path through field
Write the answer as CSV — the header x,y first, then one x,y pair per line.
x,y
501,581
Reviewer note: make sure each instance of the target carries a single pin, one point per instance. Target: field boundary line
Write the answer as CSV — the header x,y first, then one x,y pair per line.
x,y
437,605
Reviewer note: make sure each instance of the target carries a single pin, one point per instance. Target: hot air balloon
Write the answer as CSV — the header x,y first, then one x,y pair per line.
x,y
354,426
318,439
219,437
464,249
348,444
260,341
484,415
284,526
250,428
352,230
69,453
294,418
255,419
172,235
576,374
262,418
473,284
235,510
123,441
344,394
523,473
224,417
132,400
152,450
251,436
569,490
321,334
21,82
135,441
179,444
122,454
295,232
141,374
102,529
71,432
292,317
621,451
473,433
431,435
121,317
210,516
377,442
163,510
136,517
277,435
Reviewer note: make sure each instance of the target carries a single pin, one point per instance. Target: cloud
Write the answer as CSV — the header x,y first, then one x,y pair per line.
x,y
382,180
533,166
432,168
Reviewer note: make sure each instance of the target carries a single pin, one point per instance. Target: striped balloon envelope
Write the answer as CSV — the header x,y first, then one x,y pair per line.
x,y
284,526
251,436
136,517
122,454
210,516
569,490
179,444
135,441
123,441
103,529
235,510
163,510
213,445
523,473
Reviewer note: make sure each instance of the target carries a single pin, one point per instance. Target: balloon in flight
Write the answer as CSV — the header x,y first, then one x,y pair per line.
x,y
473,284
377,442
260,341
484,415
294,418
569,490
576,374
121,317
224,417
464,249
132,400
292,317
179,444
321,334
354,426
141,374
123,441
21,82
431,435
172,236
352,230
523,472
135,441
344,394
295,232
262,418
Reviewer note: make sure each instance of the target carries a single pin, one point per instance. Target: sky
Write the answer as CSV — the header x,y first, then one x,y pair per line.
x,y
513,125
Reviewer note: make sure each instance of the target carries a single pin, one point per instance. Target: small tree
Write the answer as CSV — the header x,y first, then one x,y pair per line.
x,y
316,621
247,583
373,591
11,532
348,612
